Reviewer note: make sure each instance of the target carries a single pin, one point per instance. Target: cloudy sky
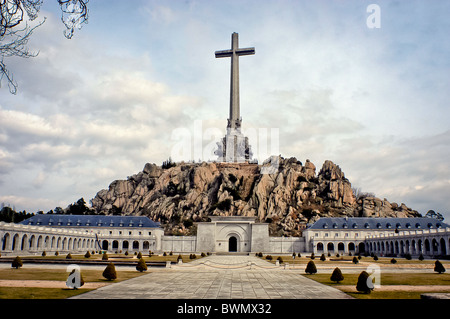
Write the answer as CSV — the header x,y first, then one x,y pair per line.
x,y
140,79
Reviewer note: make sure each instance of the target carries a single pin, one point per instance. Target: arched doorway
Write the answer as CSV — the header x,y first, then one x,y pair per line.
x,y
232,244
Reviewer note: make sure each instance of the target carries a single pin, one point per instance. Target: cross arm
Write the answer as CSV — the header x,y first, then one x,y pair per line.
x,y
224,53
245,51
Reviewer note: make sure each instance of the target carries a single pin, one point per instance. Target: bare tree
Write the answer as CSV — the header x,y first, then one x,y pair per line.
x,y
15,30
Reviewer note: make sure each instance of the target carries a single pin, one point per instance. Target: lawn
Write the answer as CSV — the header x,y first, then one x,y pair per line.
x,y
89,275
408,280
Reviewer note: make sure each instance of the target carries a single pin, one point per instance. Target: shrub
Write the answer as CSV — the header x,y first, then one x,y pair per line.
x,y
139,256
393,261
375,257
355,260
438,267
68,256
179,257
73,280
164,254
110,272
299,255
337,275
17,263
56,253
362,285
126,253
192,256
311,268
421,257
44,254
87,255
141,265
280,260
105,256
203,255
322,258
408,256
312,256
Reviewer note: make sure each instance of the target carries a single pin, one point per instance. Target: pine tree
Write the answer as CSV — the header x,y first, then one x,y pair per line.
x,y
311,268
141,265
110,272
438,267
323,258
337,275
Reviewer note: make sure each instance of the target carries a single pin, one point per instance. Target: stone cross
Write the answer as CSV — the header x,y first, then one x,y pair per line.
x,y
234,121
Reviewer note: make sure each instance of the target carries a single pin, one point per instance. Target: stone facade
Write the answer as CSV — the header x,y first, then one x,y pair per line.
x,y
225,234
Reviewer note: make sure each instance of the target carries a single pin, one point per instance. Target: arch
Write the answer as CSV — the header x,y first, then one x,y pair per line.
x,y
435,246
135,245
351,246
330,246
319,247
15,242
32,242
24,244
232,244
361,248
427,245
5,241
39,242
125,244
341,247
443,247
52,245
115,244
146,245
58,243
420,246
69,244
105,244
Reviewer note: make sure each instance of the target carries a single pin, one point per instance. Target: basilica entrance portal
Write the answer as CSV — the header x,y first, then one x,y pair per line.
x,y
232,244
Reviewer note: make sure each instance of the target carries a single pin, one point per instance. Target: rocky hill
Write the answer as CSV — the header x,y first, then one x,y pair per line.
x,y
283,192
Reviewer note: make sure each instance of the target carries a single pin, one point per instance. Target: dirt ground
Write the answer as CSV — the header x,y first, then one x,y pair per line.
x,y
47,284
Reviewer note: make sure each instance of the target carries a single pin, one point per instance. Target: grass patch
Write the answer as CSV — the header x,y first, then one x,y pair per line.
x,y
405,279
39,293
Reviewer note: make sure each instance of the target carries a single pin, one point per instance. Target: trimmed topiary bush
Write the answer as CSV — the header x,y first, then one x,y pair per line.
x,y
105,256
421,257
355,260
87,254
141,265
17,263
439,267
110,272
393,261
337,275
311,268
139,255
362,284
280,259
323,258
68,256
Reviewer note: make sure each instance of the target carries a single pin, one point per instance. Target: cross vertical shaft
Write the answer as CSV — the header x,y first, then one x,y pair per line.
x,y
234,120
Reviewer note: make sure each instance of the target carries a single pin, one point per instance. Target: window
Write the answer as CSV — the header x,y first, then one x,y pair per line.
x,y
120,232
326,234
130,232
316,234
346,234
149,232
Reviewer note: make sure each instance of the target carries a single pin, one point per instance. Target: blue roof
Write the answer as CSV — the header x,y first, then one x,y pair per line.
x,y
89,221
381,223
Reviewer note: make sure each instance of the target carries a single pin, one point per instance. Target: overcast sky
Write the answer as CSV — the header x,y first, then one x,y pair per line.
x,y
98,107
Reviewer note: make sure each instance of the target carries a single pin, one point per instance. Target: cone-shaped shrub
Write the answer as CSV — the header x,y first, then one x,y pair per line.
x,y
87,254
393,261
110,272
139,256
355,260
323,258
421,257
141,265
68,256
311,268
17,263
438,267
105,256
337,275
361,285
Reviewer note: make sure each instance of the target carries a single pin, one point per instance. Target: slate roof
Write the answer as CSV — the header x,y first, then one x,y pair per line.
x,y
89,221
378,223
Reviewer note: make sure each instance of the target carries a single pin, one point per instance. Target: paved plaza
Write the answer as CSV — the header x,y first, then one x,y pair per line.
x,y
219,277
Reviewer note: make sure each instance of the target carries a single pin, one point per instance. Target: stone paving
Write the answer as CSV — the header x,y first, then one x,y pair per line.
x,y
219,277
